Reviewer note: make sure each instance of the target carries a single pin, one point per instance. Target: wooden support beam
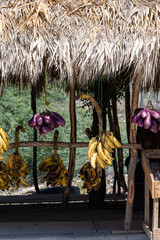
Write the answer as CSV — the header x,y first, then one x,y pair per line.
x,y
155,213
34,108
133,158
65,144
110,118
127,111
119,151
146,211
72,137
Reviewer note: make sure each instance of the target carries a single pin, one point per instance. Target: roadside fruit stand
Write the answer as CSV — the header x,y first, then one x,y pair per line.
x,y
79,41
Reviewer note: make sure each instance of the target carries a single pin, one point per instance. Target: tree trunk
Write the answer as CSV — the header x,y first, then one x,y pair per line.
x,y
133,159
120,151
33,104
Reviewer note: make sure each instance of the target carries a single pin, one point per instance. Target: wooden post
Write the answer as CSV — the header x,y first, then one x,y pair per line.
x,y
72,138
133,158
116,180
33,104
120,151
146,212
127,111
155,213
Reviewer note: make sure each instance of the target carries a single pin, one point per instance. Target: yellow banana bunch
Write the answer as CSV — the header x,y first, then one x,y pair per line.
x,y
101,146
99,149
16,166
5,181
56,172
91,177
4,142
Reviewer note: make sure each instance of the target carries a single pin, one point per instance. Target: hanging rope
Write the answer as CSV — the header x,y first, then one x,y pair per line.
x,y
45,84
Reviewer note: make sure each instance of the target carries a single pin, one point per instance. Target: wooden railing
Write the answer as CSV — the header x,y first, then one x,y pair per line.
x,y
65,144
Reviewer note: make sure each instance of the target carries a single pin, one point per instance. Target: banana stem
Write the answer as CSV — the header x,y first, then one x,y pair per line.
x,y
18,128
97,108
55,142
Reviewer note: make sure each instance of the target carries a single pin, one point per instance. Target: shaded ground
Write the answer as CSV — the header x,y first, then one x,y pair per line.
x,y
77,221
58,212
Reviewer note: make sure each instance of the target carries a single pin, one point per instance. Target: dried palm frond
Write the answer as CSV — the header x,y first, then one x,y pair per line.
x,y
87,36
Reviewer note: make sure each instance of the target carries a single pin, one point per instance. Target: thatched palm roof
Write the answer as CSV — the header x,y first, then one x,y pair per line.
x,y
84,38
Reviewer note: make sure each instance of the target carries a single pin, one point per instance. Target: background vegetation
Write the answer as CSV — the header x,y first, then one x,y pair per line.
x,y
16,110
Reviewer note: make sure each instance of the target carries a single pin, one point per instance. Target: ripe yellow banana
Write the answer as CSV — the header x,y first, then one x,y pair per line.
x,y
1,151
113,139
107,154
105,143
1,158
4,136
101,162
3,144
92,147
108,157
93,160
100,151
109,142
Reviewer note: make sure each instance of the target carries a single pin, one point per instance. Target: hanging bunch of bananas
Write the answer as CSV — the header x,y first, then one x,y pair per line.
x,y
91,177
5,181
56,172
101,146
99,149
16,166
4,142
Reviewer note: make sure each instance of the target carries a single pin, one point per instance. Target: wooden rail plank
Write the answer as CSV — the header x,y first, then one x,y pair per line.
x,y
66,144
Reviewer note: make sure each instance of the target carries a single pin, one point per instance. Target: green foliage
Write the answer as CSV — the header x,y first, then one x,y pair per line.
x,y
16,110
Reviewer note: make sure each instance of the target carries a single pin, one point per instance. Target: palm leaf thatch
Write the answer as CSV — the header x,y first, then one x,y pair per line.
x,y
86,36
